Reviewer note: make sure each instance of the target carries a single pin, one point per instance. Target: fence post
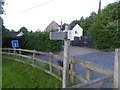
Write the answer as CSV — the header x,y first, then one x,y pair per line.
x,y
72,68
19,54
51,61
14,51
9,54
116,81
33,57
88,72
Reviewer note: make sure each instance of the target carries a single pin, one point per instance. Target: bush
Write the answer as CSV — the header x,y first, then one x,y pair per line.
x,y
36,41
105,29
107,38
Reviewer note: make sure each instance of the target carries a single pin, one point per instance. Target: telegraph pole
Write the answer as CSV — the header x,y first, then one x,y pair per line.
x,y
99,9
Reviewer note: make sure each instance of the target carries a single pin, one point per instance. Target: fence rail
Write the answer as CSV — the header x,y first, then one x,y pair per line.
x,y
89,66
92,67
97,83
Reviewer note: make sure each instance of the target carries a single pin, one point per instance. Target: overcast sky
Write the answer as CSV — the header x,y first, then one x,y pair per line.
x,y
19,12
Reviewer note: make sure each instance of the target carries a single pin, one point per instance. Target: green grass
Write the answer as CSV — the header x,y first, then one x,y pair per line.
x,y
18,75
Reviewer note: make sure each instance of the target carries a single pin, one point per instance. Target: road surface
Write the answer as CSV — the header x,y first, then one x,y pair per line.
x,y
97,57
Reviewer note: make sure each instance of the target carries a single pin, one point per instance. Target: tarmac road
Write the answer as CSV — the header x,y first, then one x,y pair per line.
x,y
97,57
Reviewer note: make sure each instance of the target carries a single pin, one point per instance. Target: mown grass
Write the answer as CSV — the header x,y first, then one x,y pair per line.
x,y
18,75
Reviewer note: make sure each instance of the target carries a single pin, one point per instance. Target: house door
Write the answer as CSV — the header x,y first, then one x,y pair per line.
x,y
76,41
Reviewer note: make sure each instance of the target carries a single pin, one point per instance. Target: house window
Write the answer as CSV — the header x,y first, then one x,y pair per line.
x,y
76,32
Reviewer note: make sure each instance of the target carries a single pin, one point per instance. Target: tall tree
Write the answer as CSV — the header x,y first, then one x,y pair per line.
x,y
87,22
1,20
24,30
1,6
5,32
1,12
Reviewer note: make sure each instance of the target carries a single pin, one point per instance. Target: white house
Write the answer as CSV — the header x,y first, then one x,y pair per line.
x,y
77,31
20,34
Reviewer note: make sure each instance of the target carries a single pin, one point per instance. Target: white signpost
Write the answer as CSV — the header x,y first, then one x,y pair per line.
x,y
69,34
66,37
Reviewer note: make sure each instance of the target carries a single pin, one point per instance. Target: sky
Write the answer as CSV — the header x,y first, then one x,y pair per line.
x,y
37,14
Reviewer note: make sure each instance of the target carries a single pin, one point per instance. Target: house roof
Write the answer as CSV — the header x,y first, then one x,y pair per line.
x,y
52,25
77,26
14,34
70,27
20,34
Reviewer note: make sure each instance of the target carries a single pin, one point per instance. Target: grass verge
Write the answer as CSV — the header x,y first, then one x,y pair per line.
x,y
18,75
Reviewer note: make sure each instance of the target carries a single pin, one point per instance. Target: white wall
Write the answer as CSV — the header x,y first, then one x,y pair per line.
x,y
77,31
20,34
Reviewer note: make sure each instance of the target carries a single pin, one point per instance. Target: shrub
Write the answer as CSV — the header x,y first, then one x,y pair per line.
x,y
36,41
105,29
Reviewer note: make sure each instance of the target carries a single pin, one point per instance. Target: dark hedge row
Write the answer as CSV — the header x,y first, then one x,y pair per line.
x,y
36,41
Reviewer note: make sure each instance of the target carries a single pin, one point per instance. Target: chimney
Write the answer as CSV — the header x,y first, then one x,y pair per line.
x,y
61,24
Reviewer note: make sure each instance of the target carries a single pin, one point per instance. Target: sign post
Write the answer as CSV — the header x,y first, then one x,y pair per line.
x,y
66,60
15,44
64,36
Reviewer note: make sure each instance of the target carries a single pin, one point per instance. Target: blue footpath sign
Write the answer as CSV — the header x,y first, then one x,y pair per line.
x,y
15,43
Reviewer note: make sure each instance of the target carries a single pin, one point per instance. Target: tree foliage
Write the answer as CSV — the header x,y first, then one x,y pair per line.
x,y
34,41
105,29
85,23
40,41
24,30
1,6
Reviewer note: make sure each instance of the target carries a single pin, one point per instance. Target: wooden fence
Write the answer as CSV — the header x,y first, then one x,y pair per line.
x,y
18,54
87,82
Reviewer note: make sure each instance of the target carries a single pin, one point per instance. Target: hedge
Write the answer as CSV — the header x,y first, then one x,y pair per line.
x,y
36,41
